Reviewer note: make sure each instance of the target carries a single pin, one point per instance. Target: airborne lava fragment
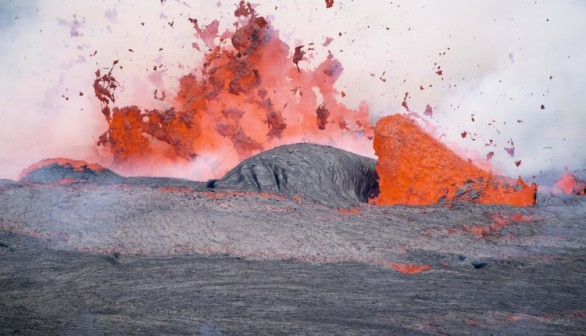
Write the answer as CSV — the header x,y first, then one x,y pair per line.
x,y
249,95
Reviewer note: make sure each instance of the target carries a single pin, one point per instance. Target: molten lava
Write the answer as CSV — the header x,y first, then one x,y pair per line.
x,y
248,96
416,169
569,185
499,222
409,268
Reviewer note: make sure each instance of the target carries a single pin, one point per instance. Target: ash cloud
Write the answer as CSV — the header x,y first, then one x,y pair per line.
x,y
500,62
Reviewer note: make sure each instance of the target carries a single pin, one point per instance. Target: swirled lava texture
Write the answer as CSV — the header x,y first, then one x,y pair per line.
x,y
416,169
249,95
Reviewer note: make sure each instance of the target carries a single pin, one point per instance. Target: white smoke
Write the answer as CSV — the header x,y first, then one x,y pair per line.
x,y
500,60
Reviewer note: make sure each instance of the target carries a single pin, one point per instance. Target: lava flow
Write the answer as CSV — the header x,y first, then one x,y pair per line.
x,y
250,95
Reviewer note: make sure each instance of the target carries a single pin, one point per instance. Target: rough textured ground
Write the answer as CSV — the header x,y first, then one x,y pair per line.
x,y
324,174
165,256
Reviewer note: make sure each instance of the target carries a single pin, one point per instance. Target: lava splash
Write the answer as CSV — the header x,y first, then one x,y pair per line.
x,y
416,169
249,95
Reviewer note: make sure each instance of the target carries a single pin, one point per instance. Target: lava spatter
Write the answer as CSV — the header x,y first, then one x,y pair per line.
x,y
416,169
256,74
568,184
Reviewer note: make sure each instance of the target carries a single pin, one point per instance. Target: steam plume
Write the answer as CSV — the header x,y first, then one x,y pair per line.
x,y
506,73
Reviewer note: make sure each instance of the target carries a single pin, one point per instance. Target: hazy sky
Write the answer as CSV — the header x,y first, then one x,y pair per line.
x,y
500,61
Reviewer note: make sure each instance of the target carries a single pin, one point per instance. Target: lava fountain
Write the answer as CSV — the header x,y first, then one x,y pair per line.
x,y
250,95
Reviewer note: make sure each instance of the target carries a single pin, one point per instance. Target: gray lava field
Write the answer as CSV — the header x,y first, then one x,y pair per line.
x,y
284,244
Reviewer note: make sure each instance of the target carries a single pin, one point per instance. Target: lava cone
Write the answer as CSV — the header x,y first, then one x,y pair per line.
x,y
416,169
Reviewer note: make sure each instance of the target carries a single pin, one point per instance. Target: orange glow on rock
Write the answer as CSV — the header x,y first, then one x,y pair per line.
x,y
569,185
499,222
250,94
416,169
409,268
349,211
66,181
76,165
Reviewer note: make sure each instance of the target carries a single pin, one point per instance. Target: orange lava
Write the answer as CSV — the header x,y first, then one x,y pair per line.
x,y
76,165
499,222
349,211
410,268
569,185
416,169
249,95
66,181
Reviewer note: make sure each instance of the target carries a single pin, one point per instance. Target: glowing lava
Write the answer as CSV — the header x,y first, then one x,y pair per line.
x,y
249,95
409,268
569,185
74,166
416,169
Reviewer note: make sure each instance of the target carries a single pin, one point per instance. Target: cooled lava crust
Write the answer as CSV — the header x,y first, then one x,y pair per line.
x,y
283,244
325,174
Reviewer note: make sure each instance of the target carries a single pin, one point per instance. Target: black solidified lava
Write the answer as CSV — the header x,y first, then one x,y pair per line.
x,y
60,171
325,174
84,251
479,264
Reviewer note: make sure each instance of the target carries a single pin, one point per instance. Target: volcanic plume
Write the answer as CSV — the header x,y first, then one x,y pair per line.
x,y
250,94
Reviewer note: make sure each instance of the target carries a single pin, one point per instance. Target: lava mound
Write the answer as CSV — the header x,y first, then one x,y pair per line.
x,y
325,174
65,171
417,169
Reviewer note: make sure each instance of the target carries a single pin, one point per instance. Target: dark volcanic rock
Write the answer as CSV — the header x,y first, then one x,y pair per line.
x,y
159,256
328,175
64,171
